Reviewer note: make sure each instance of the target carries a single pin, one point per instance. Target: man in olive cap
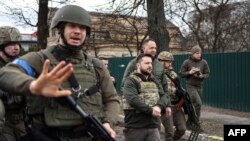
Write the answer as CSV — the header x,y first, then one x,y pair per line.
x,y
195,70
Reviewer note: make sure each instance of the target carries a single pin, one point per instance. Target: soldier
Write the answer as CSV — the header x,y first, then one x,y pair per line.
x,y
45,77
143,103
10,46
149,47
195,70
177,118
105,61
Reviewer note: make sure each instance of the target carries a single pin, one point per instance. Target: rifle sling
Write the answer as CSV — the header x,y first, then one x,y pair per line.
x,y
174,81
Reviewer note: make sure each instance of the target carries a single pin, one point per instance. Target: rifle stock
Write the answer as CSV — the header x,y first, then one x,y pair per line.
x,y
96,129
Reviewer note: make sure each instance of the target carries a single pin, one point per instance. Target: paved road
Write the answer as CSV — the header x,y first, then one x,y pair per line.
x,y
225,119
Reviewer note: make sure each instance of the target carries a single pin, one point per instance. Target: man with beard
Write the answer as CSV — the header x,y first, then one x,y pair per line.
x,y
143,103
45,77
149,47
195,70
11,123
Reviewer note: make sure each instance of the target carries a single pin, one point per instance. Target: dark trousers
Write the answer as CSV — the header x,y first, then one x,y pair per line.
x,y
178,120
195,93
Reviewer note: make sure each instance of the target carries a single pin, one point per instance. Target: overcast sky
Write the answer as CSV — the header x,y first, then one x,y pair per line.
x,y
89,5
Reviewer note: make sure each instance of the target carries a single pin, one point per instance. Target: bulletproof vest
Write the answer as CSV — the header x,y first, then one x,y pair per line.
x,y
171,86
13,104
56,110
148,93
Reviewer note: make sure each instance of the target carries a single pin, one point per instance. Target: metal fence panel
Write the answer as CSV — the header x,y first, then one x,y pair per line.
x,y
227,87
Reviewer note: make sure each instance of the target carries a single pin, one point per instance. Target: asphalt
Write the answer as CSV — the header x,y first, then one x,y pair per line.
x,y
214,117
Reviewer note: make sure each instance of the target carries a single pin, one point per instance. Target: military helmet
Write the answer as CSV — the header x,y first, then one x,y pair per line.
x,y
72,14
9,34
165,56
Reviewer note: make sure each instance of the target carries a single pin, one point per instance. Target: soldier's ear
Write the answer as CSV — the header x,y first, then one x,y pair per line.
x,y
137,65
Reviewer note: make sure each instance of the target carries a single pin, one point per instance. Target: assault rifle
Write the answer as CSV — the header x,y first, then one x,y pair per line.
x,y
188,107
95,128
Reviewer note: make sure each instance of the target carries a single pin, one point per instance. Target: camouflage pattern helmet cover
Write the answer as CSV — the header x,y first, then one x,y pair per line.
x,y
72,14
165,56
9,34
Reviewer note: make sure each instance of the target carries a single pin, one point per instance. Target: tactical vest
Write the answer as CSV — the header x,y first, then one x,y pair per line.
x,y
171,86
13,104
56,110
148,93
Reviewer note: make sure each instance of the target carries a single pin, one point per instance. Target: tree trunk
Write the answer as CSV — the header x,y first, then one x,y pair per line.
x,y
42,25
157,24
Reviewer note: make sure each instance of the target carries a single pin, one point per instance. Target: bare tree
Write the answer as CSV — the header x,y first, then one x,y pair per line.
x,y
121,30
42,24
31,17
216,26
155,14
157,24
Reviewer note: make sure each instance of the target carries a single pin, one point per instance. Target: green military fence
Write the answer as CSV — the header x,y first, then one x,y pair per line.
x,y
227,87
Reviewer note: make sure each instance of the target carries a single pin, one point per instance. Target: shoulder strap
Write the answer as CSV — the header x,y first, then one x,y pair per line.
x,y
175,81
76,87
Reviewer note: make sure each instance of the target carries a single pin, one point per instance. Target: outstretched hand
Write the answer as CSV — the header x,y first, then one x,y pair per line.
x,y
48,83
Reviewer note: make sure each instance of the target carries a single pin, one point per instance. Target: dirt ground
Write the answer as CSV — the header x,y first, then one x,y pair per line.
x,y
216,127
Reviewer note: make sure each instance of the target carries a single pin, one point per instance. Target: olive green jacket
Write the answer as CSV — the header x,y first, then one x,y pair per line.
x,y
158,72
141,117
191,79
16,79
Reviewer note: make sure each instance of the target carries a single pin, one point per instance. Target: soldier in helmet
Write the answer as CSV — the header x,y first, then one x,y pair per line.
x,y
143,102
13,127
45,77
195,70
177,118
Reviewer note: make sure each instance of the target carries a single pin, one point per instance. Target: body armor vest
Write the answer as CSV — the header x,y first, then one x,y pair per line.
x,y
56,110
171,86
13,104
148,93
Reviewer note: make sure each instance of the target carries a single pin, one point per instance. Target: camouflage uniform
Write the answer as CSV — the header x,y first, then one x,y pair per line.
x,y
53,117
194,85
140,95
177,118
13,127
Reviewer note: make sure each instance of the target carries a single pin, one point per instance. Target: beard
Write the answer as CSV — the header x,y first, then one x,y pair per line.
x,y
145,72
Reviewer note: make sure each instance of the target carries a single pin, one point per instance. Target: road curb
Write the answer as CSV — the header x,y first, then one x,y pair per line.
x,y
215,138
201,137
